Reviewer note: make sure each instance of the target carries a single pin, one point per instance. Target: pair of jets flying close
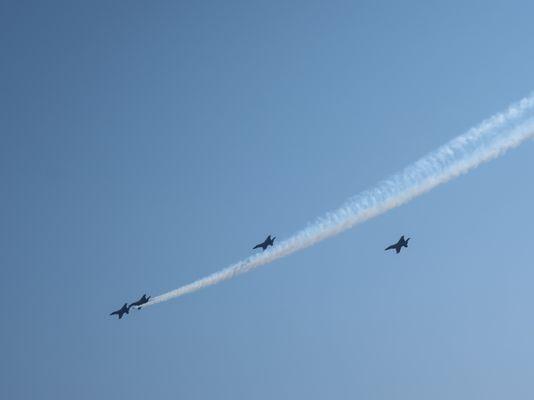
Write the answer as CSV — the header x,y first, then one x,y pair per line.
x,y
125,309
266,243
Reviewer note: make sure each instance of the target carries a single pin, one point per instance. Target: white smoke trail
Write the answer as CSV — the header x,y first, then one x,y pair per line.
x,y
480,144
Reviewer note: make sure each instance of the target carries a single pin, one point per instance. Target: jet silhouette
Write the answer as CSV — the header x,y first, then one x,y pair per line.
x,y
139,302
399,245
124,310
268,242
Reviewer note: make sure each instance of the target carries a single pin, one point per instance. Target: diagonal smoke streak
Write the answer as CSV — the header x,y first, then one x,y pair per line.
x,y
480,144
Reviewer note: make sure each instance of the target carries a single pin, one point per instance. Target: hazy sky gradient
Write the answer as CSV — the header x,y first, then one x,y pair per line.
x,y
145,145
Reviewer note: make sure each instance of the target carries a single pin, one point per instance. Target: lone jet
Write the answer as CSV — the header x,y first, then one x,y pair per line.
x,y
124,310
268,242
139,302
399,245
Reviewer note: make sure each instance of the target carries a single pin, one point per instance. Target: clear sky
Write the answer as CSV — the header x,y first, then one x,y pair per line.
x,y
147,144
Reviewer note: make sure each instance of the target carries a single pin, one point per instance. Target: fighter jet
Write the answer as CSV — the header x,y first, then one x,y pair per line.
x,y
139,302
124,310
268,242
399,245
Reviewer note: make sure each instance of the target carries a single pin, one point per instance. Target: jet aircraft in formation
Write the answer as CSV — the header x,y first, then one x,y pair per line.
x,y
125,309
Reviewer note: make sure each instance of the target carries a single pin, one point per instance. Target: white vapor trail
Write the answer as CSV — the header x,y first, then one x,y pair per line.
x,y
480,144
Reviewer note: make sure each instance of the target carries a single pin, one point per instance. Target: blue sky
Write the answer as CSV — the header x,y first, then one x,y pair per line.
x,y
147,145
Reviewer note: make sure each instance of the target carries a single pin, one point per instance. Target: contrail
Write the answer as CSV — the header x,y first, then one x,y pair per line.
x,y
480,144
